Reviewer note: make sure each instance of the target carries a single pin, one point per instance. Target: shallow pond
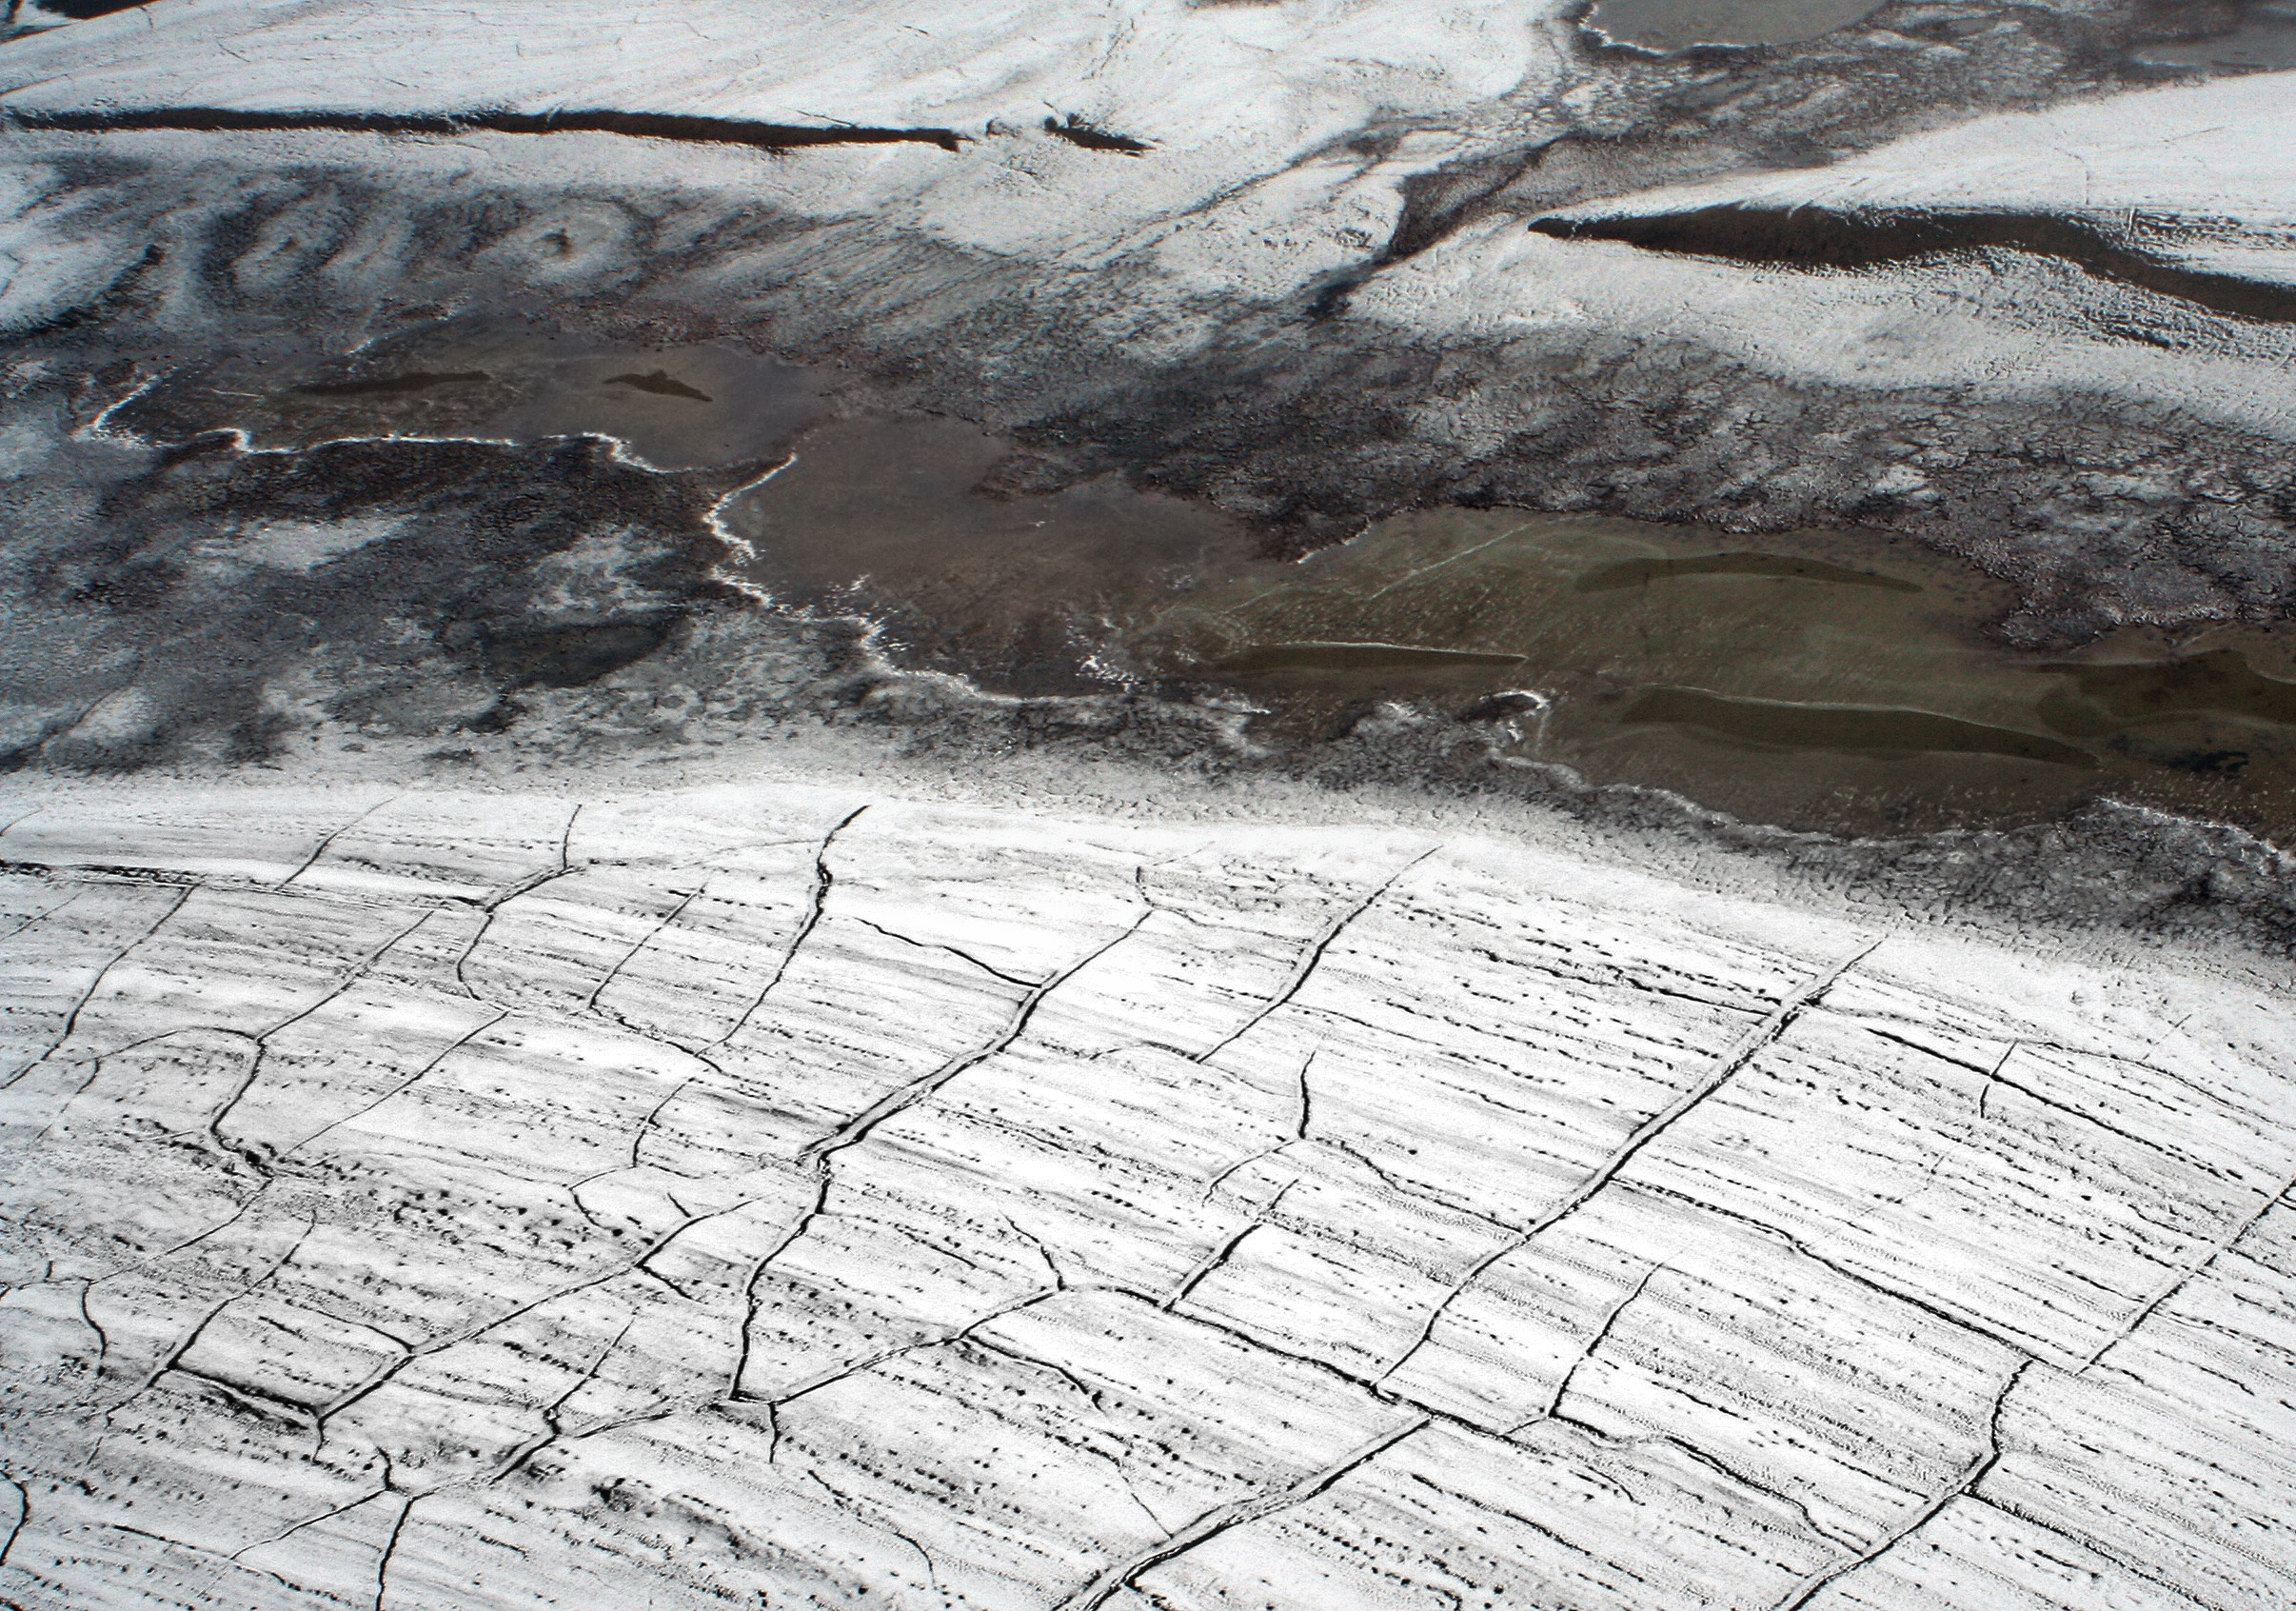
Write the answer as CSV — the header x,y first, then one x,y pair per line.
x,y
1830,680
678,407
1677,25
1837,680
2264,40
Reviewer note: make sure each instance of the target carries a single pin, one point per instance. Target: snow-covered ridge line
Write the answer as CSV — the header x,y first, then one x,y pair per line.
x,y
1816,237
653,125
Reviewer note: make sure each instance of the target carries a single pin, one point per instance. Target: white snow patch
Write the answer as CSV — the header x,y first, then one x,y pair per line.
x,y
302,546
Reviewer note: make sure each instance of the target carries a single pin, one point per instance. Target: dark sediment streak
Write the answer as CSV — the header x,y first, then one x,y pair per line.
x,y
1847,727
1815,238
1634,573
2220,682
652,125
1077,131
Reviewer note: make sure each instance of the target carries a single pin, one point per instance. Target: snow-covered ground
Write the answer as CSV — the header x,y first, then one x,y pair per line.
x,y
788,1194
600,1190
2215,151
1263,175
1230,95
1392,150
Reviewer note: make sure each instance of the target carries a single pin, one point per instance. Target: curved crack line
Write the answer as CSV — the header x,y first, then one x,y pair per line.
x,y
2168,1289
15,1529
1224,1251
1311,957
398,1089
1092,1399
1601,1335
1980,1465
815,1159
359,971
823,880
1301,1114
646,939
342,1509
857,1129
321,848
872,1516
190,1339
1225,1517
71,1021
953,951
41,917
384,1374
1725,1065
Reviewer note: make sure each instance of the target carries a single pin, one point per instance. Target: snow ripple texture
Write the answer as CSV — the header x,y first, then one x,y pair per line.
x,y
774,1197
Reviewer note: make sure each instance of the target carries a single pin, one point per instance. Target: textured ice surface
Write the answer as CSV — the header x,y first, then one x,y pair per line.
x,y
783,1195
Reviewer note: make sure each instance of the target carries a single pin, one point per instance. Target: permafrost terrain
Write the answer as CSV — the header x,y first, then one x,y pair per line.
x,y
535,1074
783,1197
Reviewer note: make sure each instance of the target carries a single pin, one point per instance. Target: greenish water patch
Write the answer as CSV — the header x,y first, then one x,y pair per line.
x,y
2220,682
1677,25
1840,681
1783,567
1786,726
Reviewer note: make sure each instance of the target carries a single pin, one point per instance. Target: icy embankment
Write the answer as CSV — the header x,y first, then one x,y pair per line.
x,y
786,1195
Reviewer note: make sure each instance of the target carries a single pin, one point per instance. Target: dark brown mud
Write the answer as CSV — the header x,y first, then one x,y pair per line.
x,y
1127,553
1303,427
2221,683
1078,130
648,126
1342,658
2261,38
512,606
661,383
78,9
927,527
393,386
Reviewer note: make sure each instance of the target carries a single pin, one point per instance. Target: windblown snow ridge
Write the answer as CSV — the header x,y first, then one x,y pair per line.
x,y
654,126
1806,237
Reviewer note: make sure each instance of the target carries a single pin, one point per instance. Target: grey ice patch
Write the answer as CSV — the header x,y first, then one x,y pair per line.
x,y
24,727
593,575
302,546
25,446
119,723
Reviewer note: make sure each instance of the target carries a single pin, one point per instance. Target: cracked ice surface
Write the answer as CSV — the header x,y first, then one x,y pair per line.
x,y
788,1196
